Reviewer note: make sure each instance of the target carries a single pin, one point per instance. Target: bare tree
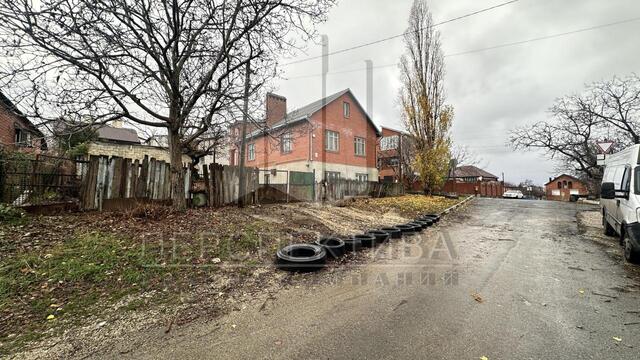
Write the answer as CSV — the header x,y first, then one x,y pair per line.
x,y
617,104
465,156
171,64
425,114
605,110
569,138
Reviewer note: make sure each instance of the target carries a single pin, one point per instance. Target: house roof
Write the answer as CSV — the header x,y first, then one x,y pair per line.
x,y
14,109
115,134
304,113
561,175
472,171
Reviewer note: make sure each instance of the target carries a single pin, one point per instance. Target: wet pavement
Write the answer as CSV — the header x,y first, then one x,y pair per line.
x,y
505,279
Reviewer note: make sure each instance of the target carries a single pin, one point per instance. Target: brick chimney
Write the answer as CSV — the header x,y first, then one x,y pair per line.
x,y
276,108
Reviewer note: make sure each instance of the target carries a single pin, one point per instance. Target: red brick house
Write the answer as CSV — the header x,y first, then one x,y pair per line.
x,y
16,131
471,180
344,147
562,187
395,152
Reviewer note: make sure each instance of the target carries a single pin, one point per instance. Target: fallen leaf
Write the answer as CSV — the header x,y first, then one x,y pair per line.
x,y
484,358
51,317
581,291
617,339
477,297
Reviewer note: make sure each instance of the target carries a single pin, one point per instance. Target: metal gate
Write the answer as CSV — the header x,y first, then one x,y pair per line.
x,y
301,186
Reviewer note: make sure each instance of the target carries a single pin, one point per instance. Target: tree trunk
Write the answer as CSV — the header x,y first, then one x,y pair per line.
x,y
177,172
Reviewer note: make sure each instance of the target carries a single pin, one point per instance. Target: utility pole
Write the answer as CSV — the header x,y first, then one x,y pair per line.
x,y
243,140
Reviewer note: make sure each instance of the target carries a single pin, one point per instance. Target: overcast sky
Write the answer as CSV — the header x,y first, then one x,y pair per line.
x,y
492,91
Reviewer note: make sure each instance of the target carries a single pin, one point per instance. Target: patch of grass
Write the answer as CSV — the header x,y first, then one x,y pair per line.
x,y
408,205
68,280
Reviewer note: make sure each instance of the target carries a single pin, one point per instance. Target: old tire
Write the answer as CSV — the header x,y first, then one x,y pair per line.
x,y
381,236
435,217
366,240
423,224
630,254
394,232
332,245
301,257
406,229
428,220
417,227
351,244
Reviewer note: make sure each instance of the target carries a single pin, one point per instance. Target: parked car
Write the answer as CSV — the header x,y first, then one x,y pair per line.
x,y
620,200
513,194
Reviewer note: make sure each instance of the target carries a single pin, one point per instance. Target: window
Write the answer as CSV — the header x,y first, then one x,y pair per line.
x,y
251,151
266,179
286,143
362,177
22,138
331,175
346,109
570,184
626,180
389,142
332,141
358,145
559,185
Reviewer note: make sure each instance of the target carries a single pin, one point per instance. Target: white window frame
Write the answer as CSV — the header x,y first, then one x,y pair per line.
x,y
359,142
346,109
286,143
332,175
251,151
332,140
362,177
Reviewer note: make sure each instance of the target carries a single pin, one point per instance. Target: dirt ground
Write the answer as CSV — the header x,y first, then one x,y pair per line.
x,y
197,265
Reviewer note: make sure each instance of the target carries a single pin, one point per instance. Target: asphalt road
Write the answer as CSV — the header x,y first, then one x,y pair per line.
x,y
520,280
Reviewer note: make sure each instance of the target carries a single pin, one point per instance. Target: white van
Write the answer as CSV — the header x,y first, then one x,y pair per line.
x,y
620,199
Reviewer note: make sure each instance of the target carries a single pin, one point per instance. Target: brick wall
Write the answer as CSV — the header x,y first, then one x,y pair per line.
x,y
134,152
561,188
8,132
308,142
276,108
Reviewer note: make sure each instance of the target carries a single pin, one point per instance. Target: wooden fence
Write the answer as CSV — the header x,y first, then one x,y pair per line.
x,y
222,184
342,188
116,178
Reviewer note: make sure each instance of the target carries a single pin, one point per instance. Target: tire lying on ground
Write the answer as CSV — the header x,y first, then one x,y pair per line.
x,y
416,226
381,236
394,232
332,245
366,240
428,221
351,244
435,217
301,257
406,229
423,224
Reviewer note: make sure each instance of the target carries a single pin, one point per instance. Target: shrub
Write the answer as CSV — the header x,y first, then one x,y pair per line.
x,y
9,213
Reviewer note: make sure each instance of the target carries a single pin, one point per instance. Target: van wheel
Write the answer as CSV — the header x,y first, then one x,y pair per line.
x,y
630,254
608,229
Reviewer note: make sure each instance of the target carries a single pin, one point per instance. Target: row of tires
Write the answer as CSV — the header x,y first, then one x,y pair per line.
x,y
311,257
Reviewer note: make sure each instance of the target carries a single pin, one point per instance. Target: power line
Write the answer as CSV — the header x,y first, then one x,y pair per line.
x,y
545,37
515,43
400,35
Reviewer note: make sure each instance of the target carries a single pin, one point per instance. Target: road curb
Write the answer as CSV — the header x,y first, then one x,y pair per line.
x,y
451,208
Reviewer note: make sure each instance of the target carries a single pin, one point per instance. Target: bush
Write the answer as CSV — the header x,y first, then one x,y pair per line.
x,y
9,213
